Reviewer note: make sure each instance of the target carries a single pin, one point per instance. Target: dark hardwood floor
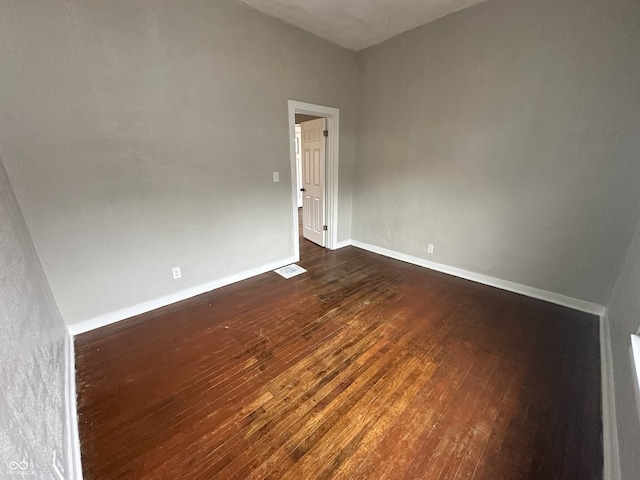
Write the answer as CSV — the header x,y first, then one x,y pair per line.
x,y
362,368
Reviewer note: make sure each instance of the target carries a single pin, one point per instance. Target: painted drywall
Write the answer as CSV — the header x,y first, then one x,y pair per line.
x,y
32,361
507,135
624,319
142,135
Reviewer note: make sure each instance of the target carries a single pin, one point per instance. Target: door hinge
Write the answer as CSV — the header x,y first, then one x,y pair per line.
x,y
324,227
326,133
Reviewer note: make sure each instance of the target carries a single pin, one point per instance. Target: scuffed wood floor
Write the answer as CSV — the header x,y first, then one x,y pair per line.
x,y
362,368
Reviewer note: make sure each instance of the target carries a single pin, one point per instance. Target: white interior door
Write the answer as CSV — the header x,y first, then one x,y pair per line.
x,y
313,160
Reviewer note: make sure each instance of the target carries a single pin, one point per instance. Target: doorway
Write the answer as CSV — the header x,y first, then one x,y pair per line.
x,y
327,211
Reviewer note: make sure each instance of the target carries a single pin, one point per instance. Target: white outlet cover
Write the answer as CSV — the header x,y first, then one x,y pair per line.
x,y
276,177
430,248
175,271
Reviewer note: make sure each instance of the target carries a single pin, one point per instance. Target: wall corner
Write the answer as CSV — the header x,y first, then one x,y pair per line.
x,y
610,446
74,463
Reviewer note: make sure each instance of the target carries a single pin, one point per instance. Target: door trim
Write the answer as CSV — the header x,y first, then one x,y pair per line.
x,y
331,169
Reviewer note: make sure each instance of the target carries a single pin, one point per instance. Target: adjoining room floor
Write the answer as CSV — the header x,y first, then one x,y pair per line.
x,y
362,368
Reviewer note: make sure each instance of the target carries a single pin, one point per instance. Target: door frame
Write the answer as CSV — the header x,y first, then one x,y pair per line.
x,y
331,170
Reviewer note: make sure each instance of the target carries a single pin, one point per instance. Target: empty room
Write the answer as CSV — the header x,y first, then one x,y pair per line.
x,y
314,240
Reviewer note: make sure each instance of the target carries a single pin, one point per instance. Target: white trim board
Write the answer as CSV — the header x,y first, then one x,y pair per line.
x,y
144,307
332,161
634,353
551,297
343,243
74,461
610,446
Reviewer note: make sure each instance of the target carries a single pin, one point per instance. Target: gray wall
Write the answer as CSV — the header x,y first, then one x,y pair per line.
x,y
507,135
32,361
140,135
624,319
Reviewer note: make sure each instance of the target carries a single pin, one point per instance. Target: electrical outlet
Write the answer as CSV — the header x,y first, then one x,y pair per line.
x,y
276,177
175,271
430,248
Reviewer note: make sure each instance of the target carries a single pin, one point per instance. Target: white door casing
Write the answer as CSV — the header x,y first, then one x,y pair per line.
x,y
313,173
332,116
298,141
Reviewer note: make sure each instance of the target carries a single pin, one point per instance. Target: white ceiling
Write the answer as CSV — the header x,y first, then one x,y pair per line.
x,y
358,24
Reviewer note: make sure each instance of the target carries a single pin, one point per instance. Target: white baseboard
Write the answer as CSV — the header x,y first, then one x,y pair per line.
x,y
342,244
74,463
610,447
144,307
551,297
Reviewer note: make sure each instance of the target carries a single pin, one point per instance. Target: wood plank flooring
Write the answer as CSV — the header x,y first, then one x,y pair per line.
x,y
362,368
